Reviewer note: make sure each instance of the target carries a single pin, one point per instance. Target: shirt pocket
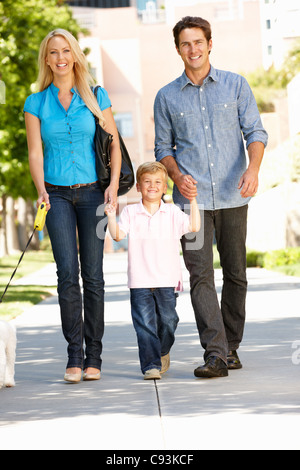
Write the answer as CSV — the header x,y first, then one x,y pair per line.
x,y
226,116
184,124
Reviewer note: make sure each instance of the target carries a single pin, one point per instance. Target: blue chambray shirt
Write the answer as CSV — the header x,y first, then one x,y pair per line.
x,y
68,136
204,128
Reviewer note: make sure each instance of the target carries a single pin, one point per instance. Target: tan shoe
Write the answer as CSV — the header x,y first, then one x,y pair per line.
x,y
152,374
90,377
165,363
73,375
73,378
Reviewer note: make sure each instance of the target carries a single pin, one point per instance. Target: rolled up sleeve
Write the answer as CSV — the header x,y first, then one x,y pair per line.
x,y
250,120
164,136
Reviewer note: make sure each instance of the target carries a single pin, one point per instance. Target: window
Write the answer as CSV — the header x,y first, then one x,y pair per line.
x,y
124,124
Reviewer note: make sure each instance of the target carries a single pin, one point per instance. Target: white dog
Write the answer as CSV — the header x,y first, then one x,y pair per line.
x,y
8,343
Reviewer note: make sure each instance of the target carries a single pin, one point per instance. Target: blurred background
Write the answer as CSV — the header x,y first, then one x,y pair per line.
x,y
129,45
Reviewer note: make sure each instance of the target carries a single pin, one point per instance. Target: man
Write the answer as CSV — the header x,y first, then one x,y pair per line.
x,y
200,120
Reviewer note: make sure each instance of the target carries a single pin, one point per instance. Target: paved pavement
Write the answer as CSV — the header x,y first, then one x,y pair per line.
x,y
255,408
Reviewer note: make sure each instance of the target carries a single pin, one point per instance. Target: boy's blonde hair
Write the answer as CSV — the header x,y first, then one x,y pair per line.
x,y
152,168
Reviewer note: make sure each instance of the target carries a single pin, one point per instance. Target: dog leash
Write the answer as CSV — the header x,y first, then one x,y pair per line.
x,y
39,224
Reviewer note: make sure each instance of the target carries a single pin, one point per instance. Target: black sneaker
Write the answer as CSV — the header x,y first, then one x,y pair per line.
x,y
233,361
213,368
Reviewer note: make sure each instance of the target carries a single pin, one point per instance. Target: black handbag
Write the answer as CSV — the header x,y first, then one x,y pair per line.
x,y
103,142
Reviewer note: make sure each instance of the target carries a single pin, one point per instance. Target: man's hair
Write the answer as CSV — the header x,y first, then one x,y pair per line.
x,y
189,22
152,168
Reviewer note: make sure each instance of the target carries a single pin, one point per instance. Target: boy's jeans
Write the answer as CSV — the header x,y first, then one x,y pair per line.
x,y
155,321
74,211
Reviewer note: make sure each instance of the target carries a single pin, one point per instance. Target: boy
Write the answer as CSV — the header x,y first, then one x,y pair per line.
x,y
154,271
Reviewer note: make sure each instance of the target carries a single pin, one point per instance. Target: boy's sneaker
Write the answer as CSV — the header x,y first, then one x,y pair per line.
x,y
165,363
152,374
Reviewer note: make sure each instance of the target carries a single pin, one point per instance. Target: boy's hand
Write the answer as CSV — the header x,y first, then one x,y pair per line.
x,y
110,210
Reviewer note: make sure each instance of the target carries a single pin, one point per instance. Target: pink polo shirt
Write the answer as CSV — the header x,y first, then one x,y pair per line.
x,y
153,245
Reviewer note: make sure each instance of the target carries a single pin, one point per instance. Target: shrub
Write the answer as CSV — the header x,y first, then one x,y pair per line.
x,y
286,257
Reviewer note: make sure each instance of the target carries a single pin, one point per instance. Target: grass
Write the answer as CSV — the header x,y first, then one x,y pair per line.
x,y
19,298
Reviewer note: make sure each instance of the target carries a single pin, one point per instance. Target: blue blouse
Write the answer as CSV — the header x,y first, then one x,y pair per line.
x,y
68,136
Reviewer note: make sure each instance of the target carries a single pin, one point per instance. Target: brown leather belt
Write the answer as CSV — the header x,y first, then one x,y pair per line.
x,y
74,186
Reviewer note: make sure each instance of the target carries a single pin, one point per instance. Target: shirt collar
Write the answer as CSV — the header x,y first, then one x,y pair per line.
x,y
143,210
184,79
55,90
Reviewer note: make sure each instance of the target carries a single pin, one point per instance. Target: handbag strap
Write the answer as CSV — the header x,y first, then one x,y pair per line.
x,y
95,91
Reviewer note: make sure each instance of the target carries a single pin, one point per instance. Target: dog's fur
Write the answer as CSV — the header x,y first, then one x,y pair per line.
x,y
8,343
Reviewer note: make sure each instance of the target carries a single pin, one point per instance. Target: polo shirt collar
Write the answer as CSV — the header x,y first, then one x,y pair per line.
x,y
143,210
184,79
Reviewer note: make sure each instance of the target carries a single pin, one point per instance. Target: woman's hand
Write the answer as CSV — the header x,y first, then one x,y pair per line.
x,y
44,197
111,194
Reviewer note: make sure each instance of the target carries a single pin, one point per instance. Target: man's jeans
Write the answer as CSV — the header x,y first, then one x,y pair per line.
x,y
220,329
155,321
74,211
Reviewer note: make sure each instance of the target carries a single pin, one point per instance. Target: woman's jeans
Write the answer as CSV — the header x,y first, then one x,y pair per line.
x,y
72,213
155,321
221,330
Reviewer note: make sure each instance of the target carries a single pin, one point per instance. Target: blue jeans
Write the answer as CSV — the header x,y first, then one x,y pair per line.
x,y
155,321
72,213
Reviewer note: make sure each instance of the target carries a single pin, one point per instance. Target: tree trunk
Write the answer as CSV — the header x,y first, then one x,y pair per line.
x,y
11,229
3,240
22,223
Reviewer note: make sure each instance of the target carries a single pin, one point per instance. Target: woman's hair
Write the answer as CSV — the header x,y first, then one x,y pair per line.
x,y
189,22
82,78
152,168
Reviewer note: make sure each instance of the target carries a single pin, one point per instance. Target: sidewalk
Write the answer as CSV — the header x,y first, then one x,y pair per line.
x,y
255,408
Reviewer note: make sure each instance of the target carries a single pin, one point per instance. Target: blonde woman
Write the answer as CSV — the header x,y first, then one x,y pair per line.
x,y
60,132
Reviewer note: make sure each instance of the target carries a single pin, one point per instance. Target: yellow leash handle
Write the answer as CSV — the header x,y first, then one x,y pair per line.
x,y
40,219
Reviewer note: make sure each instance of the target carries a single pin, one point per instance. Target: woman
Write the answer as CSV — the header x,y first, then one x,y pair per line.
x,y
60,128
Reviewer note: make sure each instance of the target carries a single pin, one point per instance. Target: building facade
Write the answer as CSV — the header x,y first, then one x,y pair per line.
x,y
100,3
280,26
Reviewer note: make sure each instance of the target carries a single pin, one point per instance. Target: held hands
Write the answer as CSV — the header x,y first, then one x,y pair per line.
x,y
187,186
110,210
111,194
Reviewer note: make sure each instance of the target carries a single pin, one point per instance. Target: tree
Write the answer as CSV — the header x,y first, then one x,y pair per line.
x,y
270,84
23,25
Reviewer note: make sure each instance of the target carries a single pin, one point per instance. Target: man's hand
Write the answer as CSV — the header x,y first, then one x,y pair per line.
x,y
187,186
249,183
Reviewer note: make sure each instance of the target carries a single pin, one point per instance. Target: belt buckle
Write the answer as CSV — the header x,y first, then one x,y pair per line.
x,y
75,186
